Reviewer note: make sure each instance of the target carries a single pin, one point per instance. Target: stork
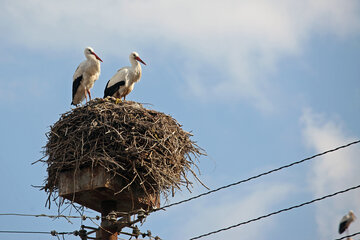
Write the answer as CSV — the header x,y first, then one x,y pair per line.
x,y
85,76
122,83
346,221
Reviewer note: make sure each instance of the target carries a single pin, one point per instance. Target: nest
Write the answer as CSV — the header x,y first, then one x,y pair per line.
x,y
147,149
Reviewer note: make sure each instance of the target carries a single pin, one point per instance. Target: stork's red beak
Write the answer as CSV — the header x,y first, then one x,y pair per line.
x,y
139,59
97,57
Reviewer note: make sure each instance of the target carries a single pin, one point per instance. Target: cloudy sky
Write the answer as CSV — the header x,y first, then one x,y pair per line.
x,y
261,83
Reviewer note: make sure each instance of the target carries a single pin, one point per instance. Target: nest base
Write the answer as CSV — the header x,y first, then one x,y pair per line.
x,y
90,187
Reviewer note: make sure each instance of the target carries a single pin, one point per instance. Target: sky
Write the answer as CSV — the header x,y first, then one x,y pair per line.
x,y
260,83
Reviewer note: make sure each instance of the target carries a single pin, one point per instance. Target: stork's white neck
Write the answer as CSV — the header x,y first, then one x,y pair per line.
x,y
92,62
135,66
136,71
134,63
91,57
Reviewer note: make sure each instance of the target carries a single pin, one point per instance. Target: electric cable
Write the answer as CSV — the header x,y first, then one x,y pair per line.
x,y
257,176
27,232
83,217
276,212
54,233
346,237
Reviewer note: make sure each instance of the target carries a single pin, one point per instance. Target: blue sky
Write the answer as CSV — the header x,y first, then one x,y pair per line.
x,y
260,84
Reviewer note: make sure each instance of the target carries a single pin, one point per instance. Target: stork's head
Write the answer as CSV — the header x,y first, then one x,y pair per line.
x,y
134,56
89,53
352,215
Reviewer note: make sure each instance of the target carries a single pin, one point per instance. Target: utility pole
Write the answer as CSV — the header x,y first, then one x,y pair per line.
x,y
97,189
108,228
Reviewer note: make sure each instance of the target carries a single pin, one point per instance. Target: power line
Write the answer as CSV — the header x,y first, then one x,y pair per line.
x,y
276,212
207,193
83,217
27,232
257,176
354,234
54,233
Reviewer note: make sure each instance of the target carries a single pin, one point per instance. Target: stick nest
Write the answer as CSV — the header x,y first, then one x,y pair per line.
x,y
148,149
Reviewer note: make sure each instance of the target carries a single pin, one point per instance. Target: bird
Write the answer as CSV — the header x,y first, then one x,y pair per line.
x,y
122,83
346,221
85,76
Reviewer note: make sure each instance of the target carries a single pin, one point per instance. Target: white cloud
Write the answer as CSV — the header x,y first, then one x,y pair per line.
x,y
241,40
332,172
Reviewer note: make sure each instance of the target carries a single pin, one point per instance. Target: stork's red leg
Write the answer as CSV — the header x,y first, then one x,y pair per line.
x,y
88,91
85,95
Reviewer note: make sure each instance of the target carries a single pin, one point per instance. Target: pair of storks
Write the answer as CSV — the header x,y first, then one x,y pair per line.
x,y
120,85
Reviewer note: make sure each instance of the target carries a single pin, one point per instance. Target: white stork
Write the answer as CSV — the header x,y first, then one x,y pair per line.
x,y
345,222
85,76
122,83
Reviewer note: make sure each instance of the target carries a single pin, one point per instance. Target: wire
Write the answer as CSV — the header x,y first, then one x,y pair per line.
x,y
277,212
207,193
257,176
354,234
83,217
54,233
27,232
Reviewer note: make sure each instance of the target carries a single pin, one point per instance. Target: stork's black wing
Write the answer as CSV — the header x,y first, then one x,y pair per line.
x,y
110,91
76,84
343,226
